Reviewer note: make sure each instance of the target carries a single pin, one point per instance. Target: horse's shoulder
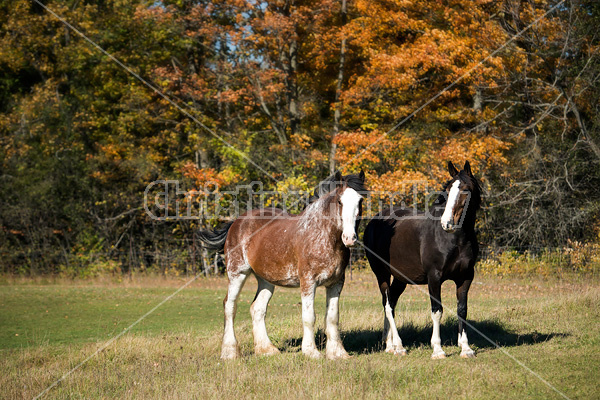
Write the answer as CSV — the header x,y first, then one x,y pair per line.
x,y
403,212
396,212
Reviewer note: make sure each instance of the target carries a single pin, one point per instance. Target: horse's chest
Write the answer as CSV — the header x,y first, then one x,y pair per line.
x,y
332,270
328,270
459,261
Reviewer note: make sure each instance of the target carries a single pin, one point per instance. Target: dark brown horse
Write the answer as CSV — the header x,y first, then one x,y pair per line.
x,y
427,248
306,250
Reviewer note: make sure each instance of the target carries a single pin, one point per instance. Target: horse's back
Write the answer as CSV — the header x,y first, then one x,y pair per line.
x,y
394,239
252,222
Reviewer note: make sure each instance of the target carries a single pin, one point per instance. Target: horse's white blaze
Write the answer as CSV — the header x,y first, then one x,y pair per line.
x,y
436,340
350,200
452,199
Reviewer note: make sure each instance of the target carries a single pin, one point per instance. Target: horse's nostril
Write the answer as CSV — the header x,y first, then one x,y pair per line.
x,y
349,240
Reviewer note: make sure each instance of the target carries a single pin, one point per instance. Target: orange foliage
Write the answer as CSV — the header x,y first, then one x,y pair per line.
x,y
204,176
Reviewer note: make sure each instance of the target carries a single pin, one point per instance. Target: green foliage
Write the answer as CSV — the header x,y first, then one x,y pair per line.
x,y
578,258
81,137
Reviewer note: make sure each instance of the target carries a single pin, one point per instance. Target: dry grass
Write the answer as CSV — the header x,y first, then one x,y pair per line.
x,y
550,326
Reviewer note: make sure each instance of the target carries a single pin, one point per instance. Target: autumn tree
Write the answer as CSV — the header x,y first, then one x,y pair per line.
x,y
233,91
549,104
413,100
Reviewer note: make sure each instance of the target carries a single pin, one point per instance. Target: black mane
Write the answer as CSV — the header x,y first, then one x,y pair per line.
x,y
353,181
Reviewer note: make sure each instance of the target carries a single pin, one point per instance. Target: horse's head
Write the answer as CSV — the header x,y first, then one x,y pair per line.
x,y
348,202
463,196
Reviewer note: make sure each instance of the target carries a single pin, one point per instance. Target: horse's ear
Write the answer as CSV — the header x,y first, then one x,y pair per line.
x,y
361,176
337,178
452,169
467,168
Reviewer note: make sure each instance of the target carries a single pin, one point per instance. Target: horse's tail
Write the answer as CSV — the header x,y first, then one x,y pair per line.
x,y
215,240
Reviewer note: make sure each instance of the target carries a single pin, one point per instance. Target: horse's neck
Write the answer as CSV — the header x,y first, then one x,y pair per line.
x,y
438,207
318,216
467,230
468,223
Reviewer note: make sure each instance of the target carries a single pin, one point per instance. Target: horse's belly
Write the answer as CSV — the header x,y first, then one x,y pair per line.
x,y
407,270
411,278
290,281
279,275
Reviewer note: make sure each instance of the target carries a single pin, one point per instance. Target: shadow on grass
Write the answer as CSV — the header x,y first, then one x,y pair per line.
x,y
370,340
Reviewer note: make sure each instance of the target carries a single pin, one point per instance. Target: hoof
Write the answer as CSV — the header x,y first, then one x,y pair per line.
x,y
266,350
335,351
468,354
396,351
312,353
230,353
438,356
339,355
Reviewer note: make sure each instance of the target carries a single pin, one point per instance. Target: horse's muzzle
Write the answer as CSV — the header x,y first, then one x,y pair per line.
x,y
349,240
448,227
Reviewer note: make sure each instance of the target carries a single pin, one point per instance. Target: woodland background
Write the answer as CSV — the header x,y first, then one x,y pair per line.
x,y
300,88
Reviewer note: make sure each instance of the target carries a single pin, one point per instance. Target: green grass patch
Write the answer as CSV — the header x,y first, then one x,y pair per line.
x,y
548,325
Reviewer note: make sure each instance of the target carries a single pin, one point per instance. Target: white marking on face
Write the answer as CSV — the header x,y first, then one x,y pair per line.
x,y
452,199
350,200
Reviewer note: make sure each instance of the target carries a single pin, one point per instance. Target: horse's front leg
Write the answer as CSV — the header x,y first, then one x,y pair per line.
x,y
334,348
435,288
309,346
462,289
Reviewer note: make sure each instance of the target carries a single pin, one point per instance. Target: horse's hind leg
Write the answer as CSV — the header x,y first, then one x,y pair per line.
x,y
435,288
230,347
258,310
334,348
462,288
395,291
393,343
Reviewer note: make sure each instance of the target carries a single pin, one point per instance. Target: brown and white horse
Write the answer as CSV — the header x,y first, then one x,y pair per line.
x,y
306,250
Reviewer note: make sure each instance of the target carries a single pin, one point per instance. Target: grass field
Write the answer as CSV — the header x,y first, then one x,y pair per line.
x,y
547,328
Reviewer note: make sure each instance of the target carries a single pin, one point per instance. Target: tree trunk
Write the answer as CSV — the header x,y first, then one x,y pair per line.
x,y
293,87
586,136
205,264
338,92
